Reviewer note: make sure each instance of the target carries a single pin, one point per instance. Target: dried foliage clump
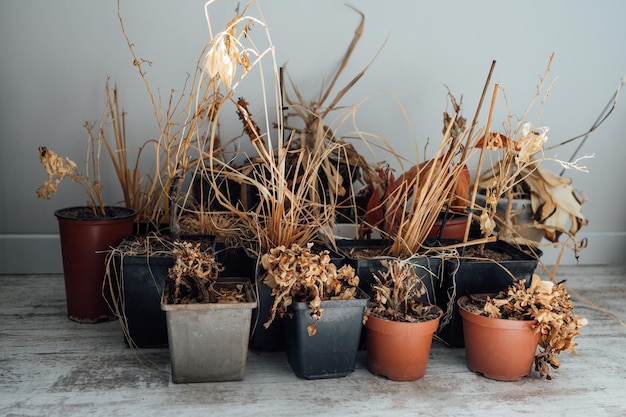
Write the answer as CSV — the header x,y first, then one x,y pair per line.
x,y
193,276
58,169
298,274
517,169
142,193
550,305
396,294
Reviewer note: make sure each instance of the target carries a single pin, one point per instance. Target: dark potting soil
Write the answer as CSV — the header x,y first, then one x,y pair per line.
x,y
111,212
189,293
474,253
366,253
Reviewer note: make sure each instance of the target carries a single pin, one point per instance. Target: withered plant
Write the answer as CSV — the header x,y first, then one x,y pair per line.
x,y
406,208
396,293
297,274
315,124
546,302
140,192
193,276
517,168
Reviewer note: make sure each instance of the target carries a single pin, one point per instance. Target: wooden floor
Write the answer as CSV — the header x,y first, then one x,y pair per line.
x,y
51,366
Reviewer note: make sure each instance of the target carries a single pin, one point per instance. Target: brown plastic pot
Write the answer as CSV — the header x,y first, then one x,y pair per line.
x,y
452,227
83,245
499,349
399,351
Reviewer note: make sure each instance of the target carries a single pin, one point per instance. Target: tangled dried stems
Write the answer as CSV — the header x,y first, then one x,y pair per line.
x,y
140,192
396,293
406,208
297,274
193,277
517,170
311,129
547,303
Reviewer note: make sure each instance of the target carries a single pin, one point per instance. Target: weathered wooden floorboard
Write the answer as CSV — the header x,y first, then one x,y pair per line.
x,y
51,366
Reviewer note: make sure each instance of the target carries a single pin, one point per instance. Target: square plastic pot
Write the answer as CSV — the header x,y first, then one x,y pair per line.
x,y
209,341
143,280
331,352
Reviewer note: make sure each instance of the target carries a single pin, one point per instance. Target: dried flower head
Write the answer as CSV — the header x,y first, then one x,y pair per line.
x,y
296,273
57,169
531,141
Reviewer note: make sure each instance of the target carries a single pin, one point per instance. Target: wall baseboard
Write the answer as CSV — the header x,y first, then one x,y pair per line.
x,y
41,254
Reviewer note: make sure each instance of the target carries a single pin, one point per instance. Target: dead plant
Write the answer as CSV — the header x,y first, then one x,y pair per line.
x,y
298,274
547,303
396,293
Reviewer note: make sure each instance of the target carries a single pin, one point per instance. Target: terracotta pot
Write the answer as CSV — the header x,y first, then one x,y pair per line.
x,y
83,245
499,349
453,227
399,350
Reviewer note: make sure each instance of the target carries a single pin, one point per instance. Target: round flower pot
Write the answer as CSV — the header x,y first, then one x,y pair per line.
x,y
398,350
499,349
84,242
451,227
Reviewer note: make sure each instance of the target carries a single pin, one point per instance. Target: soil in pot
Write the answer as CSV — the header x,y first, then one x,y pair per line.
x,y
499,349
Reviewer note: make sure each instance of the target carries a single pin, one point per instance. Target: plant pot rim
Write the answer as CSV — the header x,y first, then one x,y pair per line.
x,y
400,323
250,297
361,299
65,213
511,324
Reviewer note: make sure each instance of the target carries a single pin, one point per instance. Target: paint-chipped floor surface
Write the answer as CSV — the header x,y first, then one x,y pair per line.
x,y
51,366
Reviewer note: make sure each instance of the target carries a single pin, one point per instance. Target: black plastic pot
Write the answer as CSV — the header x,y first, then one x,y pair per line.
x,y
332,351
463,277
428,267
235,261
205,195
143,279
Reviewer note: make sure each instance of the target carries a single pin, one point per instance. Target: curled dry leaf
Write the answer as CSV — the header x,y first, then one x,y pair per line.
x,y
555,203
550,305
298,273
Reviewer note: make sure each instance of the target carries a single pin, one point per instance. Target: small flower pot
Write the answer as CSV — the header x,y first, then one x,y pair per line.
x,y
331,352
84,242
209,341
399,351
467,276
499,349
271,339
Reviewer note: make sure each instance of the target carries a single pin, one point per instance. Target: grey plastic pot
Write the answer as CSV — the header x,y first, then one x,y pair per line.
x,y
209,341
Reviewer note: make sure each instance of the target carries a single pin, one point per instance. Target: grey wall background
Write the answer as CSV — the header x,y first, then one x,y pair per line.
x,y
55,57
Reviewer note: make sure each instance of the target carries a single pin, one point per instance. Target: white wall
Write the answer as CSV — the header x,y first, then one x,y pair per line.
x,y
55,57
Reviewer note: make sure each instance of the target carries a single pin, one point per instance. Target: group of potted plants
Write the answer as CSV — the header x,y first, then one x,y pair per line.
x,y
262,251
